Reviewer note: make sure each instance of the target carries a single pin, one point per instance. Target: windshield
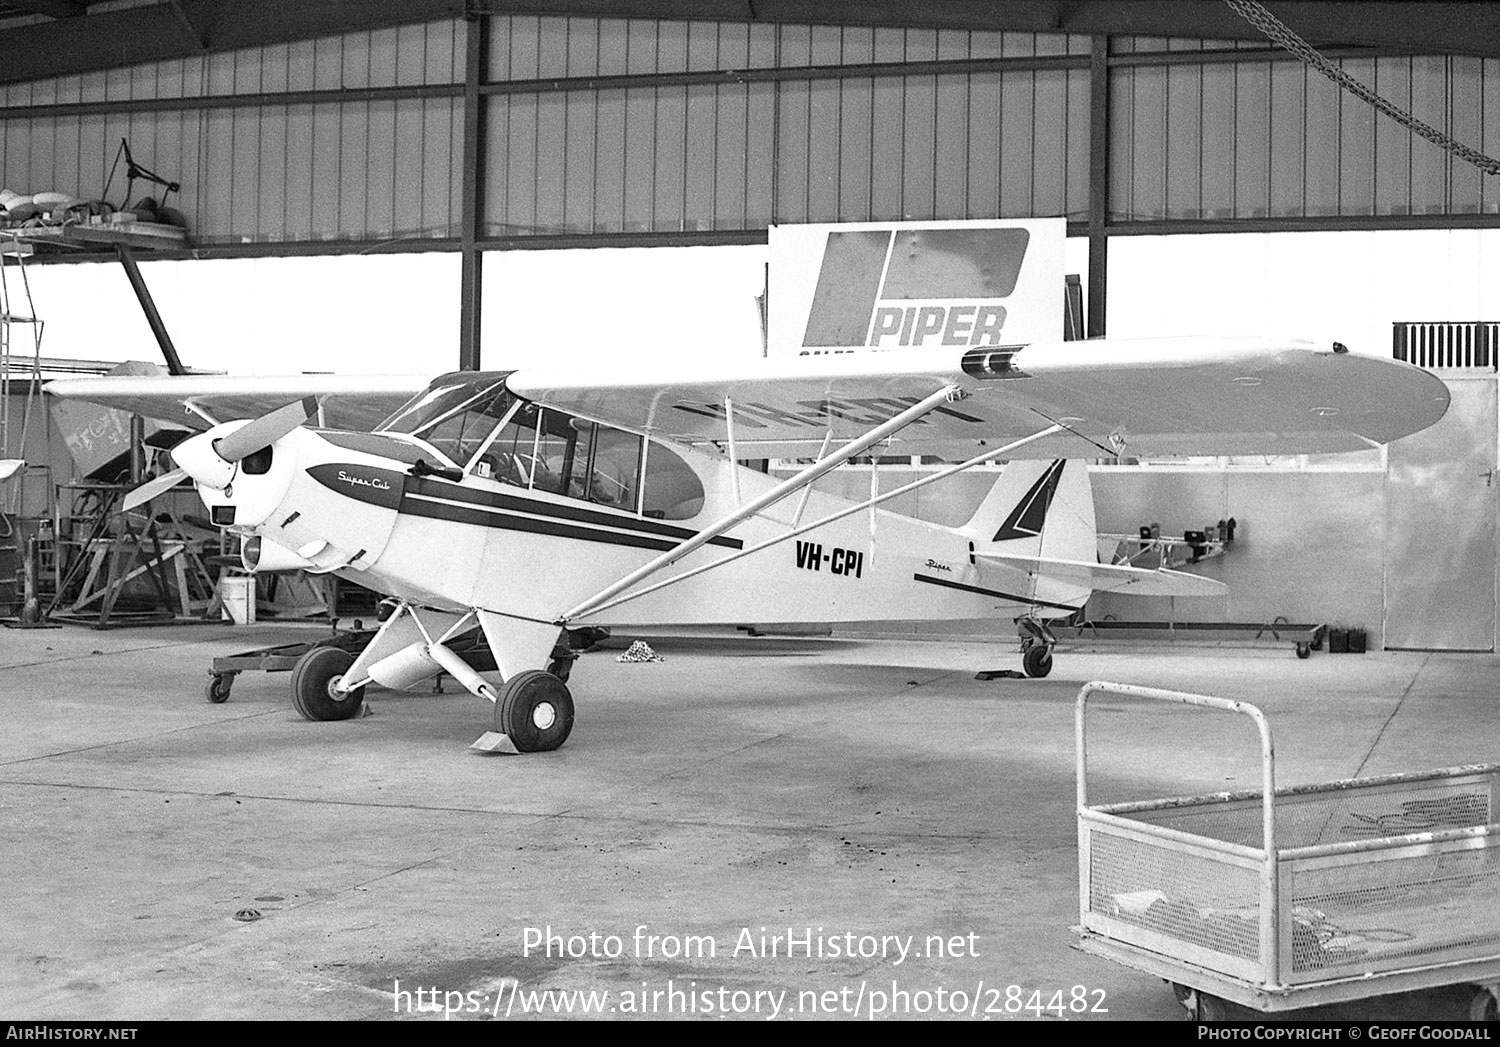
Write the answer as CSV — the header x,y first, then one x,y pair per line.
x,y
454,414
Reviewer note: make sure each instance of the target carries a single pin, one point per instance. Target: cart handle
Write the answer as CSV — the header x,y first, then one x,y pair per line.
x,y
1267,748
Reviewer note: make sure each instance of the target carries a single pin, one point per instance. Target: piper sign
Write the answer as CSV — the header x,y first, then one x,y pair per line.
x,y
843,288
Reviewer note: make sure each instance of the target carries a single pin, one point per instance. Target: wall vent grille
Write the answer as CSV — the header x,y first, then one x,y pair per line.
x,y
1440,346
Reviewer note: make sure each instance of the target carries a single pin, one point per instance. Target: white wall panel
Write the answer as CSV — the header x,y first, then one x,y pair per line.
x,y
669,198
1393,145
702,159
380,206
609,162
733,158
1017,144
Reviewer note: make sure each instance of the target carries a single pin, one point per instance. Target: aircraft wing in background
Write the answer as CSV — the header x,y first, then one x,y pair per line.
x,y
355,402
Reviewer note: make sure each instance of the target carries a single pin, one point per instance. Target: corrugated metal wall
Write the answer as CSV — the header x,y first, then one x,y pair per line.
x,y
614,126
725,155
353,169
1275,139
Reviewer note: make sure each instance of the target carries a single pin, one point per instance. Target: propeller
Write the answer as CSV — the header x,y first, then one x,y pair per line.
x,y
151,488
265,430
228,449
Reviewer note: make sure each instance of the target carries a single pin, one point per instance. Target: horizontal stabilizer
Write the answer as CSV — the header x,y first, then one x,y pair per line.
x,y
1113,578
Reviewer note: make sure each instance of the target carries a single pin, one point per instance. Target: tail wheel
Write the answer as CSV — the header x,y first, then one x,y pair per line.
x,y
1037,660
535,711
313,681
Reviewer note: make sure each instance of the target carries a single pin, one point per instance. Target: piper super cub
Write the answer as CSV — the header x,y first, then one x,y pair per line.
x,y
547,499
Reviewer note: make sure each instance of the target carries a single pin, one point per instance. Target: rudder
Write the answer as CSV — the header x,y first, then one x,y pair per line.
x,y
1042,509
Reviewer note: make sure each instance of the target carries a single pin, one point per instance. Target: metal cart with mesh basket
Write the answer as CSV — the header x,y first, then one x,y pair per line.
x,y
1284,899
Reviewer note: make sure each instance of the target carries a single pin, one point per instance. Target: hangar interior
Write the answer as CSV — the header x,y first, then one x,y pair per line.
x,y
499,130
1212,181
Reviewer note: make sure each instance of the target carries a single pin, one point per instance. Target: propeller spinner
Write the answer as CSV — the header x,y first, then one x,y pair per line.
x,y
212,460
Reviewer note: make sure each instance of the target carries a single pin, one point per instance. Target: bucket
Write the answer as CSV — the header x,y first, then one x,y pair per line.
x,y
237,593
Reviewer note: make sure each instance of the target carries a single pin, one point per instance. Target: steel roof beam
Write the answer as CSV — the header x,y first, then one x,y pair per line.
x,y
179,28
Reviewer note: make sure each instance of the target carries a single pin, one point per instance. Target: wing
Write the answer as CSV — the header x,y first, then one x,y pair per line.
x,y
1101,577
1146,397
356,402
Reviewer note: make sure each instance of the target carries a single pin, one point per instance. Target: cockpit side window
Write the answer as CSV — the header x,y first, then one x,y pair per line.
x,y
551,451
510,457
556,448
605,465
580,459
614,468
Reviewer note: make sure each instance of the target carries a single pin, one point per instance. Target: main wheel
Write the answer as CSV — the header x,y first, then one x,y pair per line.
x,y
535,710
313,681
1037,660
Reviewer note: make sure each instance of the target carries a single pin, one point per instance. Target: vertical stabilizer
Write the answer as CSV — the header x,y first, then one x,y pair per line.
x,y
1043,510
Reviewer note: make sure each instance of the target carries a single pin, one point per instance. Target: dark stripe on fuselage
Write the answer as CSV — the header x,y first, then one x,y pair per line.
x,y
992,592
513,503
511,522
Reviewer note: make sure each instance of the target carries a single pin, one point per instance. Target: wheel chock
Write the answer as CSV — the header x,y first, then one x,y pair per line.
x,y
495,742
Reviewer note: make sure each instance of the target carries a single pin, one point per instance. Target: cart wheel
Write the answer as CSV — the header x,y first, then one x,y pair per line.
x,y
1483,1007
1209,1009
1304,650
312,685
218,687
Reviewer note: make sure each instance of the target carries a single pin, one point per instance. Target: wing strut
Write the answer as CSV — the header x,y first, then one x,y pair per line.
x,y
734,456
782,490
941,474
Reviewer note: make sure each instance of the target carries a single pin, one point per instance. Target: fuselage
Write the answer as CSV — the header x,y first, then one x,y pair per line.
x,y
350,503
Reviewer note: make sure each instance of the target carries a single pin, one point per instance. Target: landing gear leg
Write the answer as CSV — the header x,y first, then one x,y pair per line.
x,y
1037,642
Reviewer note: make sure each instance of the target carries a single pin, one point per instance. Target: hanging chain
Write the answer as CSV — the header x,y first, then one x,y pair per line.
x,y
1280,34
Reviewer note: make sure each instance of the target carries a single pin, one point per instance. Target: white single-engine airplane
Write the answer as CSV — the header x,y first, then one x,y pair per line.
x,y
553,498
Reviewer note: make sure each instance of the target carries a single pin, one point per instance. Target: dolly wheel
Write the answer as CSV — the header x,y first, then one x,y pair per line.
x,y
313,681
218,687
535,711
1483,1008
1037,660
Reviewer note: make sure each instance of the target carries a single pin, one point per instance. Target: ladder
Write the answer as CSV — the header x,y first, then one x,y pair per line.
x,y
17,317
18,320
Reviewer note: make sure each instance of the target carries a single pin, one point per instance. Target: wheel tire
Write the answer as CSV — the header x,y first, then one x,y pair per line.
x,y
312,685
1482,1007
218,688
1037,660
535,711
1210,1009
1304,650
560,668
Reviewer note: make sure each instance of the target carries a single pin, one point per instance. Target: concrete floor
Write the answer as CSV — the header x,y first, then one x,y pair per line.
x,y
871,787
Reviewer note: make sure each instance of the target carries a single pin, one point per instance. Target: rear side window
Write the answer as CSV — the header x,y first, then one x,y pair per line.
x,y
672,491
